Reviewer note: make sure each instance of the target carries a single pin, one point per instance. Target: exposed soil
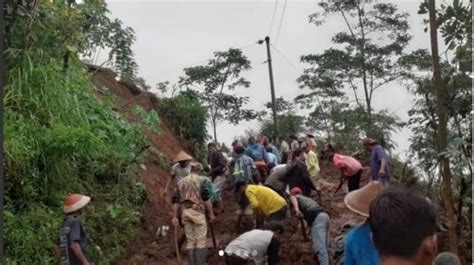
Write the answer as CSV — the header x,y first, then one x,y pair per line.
x,y
154,248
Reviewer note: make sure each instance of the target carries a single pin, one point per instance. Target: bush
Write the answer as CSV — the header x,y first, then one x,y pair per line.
x,y
188,118
61,139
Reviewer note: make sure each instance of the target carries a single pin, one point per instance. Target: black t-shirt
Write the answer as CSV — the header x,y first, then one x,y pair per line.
x,y
72,231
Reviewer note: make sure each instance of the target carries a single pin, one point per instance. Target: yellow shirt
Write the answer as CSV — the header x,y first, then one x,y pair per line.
x,y
312,164
263,199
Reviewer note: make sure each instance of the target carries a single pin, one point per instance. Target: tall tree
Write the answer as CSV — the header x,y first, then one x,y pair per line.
x,y
364,59
288,121
442,129
217,81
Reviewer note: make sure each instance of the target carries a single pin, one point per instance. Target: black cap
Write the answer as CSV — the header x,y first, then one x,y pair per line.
x,y
239,184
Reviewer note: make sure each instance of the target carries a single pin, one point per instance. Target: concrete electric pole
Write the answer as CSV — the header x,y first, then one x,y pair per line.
x,y
272,86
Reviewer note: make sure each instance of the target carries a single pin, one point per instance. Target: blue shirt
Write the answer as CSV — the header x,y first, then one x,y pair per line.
x,y
359,248
378,153
272,159
257,153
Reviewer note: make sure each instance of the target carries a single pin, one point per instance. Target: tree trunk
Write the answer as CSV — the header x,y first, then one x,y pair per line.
x,y
364,68
443,131
215,130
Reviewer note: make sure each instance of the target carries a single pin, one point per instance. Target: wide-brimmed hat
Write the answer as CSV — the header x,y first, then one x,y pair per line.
x,y
359,200
75,202
369,141
182,156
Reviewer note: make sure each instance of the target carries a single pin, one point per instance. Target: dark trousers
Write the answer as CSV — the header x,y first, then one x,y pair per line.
x,y
279,215
353,181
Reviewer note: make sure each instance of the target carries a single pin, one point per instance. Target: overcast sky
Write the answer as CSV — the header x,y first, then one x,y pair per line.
x,y
172,35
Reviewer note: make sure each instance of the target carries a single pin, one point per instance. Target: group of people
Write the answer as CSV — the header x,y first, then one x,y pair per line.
x,y
270,184
267,182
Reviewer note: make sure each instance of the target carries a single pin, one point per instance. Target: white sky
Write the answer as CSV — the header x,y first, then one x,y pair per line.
x,y
172,35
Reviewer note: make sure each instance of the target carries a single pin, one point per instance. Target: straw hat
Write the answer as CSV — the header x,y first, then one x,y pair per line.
x,y
182,156
75,202
359,200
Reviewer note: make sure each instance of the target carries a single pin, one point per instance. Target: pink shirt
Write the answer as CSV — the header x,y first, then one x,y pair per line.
x,y
347,164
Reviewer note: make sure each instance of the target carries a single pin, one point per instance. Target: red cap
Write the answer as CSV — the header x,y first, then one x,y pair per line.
x,y
296,191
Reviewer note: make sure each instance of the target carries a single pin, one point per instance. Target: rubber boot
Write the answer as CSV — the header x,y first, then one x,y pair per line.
x,y
191,256
200,256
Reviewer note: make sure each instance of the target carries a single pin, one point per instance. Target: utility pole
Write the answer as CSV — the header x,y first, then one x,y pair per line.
x,y
272,86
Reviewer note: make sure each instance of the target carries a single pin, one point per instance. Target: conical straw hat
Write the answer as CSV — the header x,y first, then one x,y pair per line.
x,y
75,202
359,200
182,156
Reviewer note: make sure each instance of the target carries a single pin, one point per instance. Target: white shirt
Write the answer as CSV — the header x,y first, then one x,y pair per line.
x,y
251,245
180,172
284,147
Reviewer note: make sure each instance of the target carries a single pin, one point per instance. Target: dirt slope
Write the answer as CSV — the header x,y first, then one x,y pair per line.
x,y
148,249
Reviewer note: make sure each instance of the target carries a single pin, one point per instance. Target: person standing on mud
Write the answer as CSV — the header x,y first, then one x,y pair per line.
x,y
179,170
298,175
242,168
312,161
258,153
350,168
317,219
284,150
218,165
256,246
274,150
71,248
378,161
359,248
193,196
293,146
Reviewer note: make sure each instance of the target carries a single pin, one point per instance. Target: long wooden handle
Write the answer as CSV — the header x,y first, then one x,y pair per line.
x,y
211,227
176,245
303,230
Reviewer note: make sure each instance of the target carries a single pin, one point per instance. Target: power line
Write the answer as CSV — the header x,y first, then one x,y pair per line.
x,y
273,17
281,22
286,58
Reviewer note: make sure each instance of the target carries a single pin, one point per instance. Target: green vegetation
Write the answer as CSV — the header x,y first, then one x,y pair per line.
x,y
61,139
187,118
216,82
